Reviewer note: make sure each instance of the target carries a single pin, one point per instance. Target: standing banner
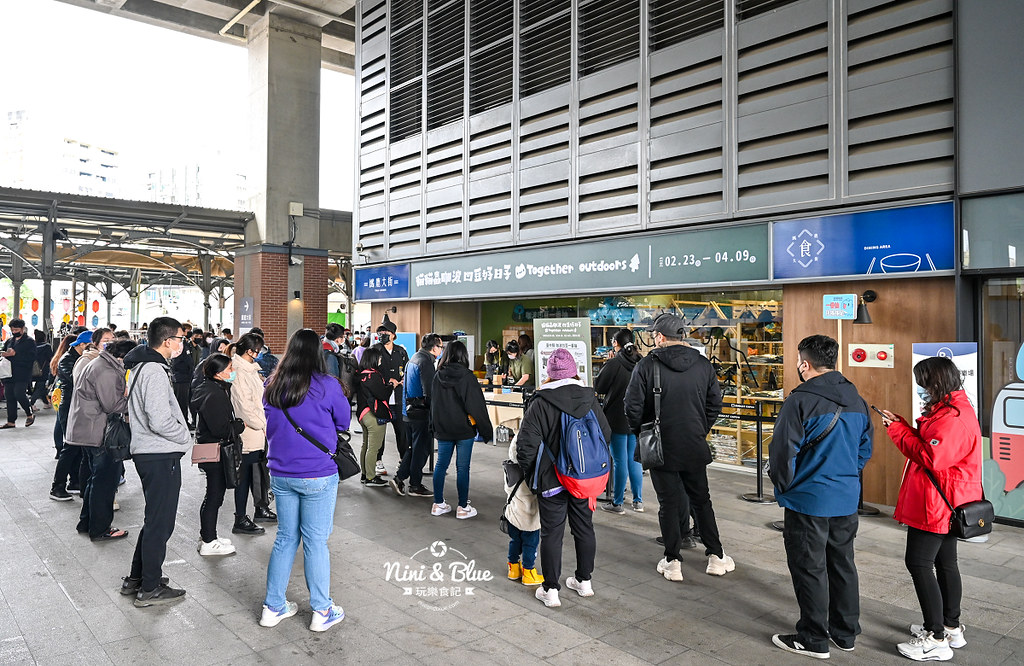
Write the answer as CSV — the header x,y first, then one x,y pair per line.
x,y
963,354
572,334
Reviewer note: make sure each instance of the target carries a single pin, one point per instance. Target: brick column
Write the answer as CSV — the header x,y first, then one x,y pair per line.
x,y
314,293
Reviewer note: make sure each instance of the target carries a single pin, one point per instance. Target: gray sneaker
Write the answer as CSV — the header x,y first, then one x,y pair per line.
x,y
613,508
638,506
163,594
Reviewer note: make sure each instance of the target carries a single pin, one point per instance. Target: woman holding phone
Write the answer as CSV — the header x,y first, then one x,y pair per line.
x,y
945,446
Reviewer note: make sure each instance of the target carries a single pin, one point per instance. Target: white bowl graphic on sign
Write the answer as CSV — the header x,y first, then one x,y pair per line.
x,y
903,262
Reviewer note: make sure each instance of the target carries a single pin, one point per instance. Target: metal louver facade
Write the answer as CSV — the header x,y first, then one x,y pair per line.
x,y
494,123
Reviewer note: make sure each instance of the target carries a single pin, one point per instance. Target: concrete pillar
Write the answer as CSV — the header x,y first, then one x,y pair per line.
x,y
17,279
49,248
282,254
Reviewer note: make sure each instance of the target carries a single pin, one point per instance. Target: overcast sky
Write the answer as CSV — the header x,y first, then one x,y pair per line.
x,y
150,92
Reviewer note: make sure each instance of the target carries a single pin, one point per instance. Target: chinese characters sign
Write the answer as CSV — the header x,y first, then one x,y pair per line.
x,y
839,306
382,282
573,334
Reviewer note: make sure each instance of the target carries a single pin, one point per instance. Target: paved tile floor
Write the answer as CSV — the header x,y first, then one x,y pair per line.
x,y
59,602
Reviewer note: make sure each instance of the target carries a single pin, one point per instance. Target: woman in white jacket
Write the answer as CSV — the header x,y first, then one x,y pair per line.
x,y
247,401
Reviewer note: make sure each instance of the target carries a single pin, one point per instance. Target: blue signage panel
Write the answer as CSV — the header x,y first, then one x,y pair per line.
x,y
382,283
915,239
839,306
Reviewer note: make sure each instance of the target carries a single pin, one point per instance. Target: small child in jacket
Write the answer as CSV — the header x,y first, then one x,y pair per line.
x,y
523,516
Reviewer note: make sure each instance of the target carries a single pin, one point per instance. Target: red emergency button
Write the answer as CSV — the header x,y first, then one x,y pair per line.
x,y
859,355
881,356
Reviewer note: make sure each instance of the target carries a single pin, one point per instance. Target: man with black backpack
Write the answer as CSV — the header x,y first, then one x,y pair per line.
x,y
692,401
419,374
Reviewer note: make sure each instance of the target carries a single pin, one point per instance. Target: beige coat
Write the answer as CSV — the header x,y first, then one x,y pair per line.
x,y
247,401
88,356
522,511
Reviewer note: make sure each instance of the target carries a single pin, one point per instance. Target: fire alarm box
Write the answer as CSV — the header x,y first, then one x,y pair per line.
x,y
862,355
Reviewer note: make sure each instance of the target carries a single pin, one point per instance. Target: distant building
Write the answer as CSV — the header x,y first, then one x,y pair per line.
x,y
211,183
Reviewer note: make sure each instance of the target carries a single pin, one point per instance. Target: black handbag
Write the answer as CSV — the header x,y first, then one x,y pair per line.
x,y
649,451
231,459
969,520
117,434
343,456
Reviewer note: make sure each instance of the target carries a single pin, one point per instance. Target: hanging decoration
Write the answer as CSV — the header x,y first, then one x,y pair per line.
x,y
67,304
95,321
66,319
95,306
81,320
35,305
35,320
3,303
81,306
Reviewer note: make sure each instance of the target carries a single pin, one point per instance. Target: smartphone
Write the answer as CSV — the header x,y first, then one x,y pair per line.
x,y
879,412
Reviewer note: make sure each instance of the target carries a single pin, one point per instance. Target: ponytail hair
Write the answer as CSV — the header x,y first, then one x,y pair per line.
x,y
625,340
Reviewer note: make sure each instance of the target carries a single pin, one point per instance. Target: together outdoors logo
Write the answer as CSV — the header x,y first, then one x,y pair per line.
x,y
440,582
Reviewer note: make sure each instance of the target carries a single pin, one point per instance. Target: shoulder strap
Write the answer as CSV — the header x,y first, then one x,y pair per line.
x,y
515,489
931,477
823,435
308,437
135,378
657,391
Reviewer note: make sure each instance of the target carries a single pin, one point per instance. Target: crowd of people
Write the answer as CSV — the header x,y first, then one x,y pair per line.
x,y
259,425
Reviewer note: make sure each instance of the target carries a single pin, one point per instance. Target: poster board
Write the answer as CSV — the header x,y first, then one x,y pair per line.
x,y
570,333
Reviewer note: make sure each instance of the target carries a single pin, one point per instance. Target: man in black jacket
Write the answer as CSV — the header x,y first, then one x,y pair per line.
x,y
20,350
182,367
691,401
419,375
70,457
392,366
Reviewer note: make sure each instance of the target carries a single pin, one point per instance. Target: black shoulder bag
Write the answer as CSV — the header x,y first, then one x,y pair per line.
x,y
511,469
968,520
117,434
649,452
343,456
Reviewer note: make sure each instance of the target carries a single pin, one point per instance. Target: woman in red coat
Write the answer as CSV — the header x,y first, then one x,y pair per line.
x,y
946,442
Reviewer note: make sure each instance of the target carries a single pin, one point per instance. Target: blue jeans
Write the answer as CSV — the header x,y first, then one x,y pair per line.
x,y
521,542
305,509
623,449
445,449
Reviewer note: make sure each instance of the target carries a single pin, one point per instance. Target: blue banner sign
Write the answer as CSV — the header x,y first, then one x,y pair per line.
x,y
839,306
915,239
382,283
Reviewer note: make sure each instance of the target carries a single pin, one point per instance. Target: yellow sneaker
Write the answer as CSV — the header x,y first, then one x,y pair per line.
x,y
531,577
515,571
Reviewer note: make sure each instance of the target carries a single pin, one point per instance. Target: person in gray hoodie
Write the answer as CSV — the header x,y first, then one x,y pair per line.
x,y
160,437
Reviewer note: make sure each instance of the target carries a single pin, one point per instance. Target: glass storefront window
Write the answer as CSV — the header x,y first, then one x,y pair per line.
x,y
993,231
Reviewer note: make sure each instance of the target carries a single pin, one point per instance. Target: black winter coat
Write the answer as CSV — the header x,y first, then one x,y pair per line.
x,y
612,383
24,354
184,365
67,381
373,390
542,422
691,401
217,422
455,395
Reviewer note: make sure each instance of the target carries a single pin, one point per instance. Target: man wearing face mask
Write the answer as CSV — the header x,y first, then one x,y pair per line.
x,y
393,361
821,442
419,374
182,367
20,350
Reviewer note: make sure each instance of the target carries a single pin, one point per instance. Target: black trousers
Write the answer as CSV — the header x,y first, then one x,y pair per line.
x,y
39,389
16,394
415,457
678,491
98,491
819,552
553,514
401,434
260,484
183,394
69,468
216,488
161,485
931,561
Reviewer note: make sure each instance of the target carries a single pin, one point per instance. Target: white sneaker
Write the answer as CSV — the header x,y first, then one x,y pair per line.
x,y
441,509
954,636
212,548
464,513
549,597
226,542
379,469
670,570
271,618
117,507
926,648
324,620
719,566
583,587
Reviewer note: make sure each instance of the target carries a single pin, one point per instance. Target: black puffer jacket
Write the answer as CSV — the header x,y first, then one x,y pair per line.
x,y
455,395
217,422
542,422
691,400
612,383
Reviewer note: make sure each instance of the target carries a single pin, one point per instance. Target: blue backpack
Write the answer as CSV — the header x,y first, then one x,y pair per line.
x,y
583,460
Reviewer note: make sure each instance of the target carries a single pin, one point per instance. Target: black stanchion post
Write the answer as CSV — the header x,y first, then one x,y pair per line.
x,y
759,497
865,509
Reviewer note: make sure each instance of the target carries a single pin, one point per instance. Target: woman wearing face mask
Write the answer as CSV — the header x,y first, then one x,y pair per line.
x,y
946,444
212,402
374,414
492,360
247,399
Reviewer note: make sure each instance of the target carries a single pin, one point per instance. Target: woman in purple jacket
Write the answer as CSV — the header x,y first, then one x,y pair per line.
x,y
304,478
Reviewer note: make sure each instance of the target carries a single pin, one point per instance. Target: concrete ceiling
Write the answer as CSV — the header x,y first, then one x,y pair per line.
x,y
208,18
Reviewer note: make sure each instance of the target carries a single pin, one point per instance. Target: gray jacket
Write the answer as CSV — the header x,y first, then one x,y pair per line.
x,y
158,426
99,391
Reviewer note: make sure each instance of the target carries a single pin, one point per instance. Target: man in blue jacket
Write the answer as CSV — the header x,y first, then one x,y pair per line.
x,y
419,375
821,442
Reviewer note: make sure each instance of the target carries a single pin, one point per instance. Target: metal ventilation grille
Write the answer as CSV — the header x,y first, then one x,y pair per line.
x,y
544,137
405,12
489,21
371,128
545,169
783,109
373,76
406,55
746,9
490,174
532,12
609,33
445,36
406,111
490,77
371,181
444,95
444,209
900,82
374,20
675,21
434,5
545,59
